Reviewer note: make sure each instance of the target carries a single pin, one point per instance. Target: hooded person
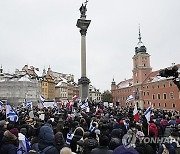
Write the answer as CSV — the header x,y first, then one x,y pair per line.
x,y
46,141
60,142
9,143
78,134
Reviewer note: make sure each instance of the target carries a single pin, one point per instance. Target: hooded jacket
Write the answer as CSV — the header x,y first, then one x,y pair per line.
x,y
46,138
9,143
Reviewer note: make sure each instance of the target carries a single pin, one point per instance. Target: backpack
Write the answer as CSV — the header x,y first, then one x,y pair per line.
x,y
44,150
165,150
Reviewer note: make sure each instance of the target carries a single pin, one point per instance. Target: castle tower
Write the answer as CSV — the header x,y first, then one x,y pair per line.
x,y
141,63
141,69
113,85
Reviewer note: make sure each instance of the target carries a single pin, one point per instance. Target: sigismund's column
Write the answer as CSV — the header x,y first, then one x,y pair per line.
x,y
83,24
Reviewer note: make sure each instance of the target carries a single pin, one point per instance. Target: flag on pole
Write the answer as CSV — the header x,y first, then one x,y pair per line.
x,y
135,113
147,113
130,98
11,114
42,98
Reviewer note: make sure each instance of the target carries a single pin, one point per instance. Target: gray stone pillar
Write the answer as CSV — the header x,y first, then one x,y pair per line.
x,y
83,82
83,55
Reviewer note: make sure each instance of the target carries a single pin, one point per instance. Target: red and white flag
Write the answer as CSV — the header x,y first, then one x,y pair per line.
x,y
135,113
75,97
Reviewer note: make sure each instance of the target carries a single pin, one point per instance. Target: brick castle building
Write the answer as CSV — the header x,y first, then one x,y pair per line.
x,y
146,86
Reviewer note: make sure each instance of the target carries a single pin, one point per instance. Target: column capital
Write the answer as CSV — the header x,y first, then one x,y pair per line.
x,y
83,32
83,80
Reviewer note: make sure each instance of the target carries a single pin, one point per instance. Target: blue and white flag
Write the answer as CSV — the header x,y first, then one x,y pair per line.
x,y
130,98
147,113
24,144
85,106
42,98
11,114
1,104
28,105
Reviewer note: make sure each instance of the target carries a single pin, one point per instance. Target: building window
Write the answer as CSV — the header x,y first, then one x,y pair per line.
x,y
148,102
164,104
173,105
144,102
158,96
153,96
159,104
164,85
170,84
171,95
148,93
153,86
147,87
164,96
158,86
154,104
144,93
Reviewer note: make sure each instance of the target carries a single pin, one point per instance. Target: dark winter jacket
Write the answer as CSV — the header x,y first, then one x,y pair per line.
x,y
9,143
101,150
144,149
89,144
123,150
46,138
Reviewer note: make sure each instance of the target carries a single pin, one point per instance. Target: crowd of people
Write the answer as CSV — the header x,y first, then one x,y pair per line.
x,y
98,130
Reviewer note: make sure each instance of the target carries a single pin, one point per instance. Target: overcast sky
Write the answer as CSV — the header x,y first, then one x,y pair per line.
x,y
44,32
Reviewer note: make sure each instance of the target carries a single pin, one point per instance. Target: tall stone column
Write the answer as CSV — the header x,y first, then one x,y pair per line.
x,y
83,24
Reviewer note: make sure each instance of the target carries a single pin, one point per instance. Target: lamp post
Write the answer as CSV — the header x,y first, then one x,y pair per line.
x,y
83,24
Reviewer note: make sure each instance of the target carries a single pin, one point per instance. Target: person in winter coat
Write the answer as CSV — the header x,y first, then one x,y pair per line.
x,y
78,134
46,141
90,143
9,143
103,146
153,128
60,142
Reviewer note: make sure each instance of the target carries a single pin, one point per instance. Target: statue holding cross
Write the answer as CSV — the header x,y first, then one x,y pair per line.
x,y
83,9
